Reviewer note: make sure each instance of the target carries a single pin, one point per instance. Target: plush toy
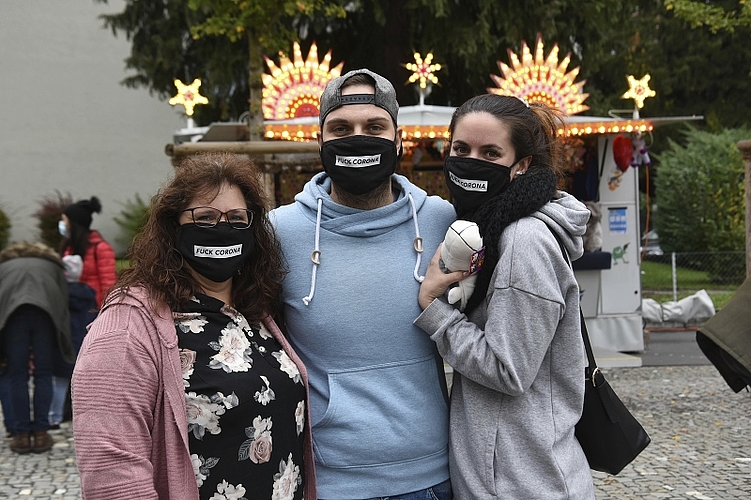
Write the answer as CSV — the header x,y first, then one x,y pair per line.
x,y
640,155
593,235
462,250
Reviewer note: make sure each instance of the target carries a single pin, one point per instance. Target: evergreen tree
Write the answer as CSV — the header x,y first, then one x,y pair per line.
x,y
694,71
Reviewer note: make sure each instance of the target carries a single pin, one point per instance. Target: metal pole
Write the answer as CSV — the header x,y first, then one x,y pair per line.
x,y
675,277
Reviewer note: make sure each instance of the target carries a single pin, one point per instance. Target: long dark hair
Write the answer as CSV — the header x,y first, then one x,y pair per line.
x,y
155,263
77,241
533,131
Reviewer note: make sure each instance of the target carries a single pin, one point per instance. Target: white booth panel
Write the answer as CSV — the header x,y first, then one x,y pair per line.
x,y
623,333
621,284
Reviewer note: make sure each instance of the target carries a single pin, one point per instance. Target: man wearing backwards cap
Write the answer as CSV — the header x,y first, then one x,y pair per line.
x,y
353,240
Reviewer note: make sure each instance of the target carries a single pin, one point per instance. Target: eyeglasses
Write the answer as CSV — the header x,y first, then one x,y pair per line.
x,y
238,218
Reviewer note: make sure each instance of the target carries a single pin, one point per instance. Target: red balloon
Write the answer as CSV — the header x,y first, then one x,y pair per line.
x,y
622,152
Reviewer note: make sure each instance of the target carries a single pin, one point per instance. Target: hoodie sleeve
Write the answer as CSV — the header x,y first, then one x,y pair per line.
x,y
524,307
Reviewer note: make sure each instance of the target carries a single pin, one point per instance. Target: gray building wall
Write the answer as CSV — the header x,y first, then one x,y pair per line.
x,y
66,123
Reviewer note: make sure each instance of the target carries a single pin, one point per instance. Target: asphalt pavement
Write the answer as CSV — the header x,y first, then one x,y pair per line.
x,y
700,432
671,347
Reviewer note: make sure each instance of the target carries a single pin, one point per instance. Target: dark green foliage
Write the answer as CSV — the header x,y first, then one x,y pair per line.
x,y
694,71
162,49
132,219
701,192
49,213
4,229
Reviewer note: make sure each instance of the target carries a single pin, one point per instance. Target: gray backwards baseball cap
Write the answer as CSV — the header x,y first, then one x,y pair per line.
x,y
384,97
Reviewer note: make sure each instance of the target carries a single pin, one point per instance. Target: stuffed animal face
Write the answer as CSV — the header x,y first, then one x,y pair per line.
x,y
461,241
461,250
593,236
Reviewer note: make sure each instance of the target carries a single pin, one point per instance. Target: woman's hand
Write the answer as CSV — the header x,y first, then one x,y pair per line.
x,y
436,282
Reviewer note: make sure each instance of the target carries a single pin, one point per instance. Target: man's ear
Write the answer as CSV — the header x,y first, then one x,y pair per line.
x,y
319,138
398,140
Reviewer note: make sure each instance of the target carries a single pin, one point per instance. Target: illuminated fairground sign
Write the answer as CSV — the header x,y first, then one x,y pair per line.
x,y
293,88
539,79
291,95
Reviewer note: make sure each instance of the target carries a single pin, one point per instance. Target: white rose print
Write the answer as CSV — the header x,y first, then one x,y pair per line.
x,y
201,467
225,491
286,481
287,366
234,351
203,414
264,332
229,402
190,322
266,395
300,417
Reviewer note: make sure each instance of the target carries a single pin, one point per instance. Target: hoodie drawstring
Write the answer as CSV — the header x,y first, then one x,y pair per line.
x,y
315,256
418,241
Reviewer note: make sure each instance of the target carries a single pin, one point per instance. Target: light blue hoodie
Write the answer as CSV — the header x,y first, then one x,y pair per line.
x,y
378,401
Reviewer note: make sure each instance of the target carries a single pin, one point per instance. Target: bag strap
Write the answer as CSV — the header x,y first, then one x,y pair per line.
x,y
593,369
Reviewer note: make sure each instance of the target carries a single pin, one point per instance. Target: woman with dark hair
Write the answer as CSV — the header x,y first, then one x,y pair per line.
x,y
184,387
98,273
518,355
79,239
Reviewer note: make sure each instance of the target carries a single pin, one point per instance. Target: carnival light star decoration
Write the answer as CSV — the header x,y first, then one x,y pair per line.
x,y
422,70
540,79
293,88
188,96
639,90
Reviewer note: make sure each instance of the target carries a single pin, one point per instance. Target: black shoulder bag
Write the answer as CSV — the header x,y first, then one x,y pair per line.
x,y
608,433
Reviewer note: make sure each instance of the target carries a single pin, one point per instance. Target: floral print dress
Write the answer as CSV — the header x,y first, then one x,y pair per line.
x,y
245,403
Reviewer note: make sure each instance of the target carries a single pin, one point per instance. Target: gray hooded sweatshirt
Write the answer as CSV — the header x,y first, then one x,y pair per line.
x,y
519,362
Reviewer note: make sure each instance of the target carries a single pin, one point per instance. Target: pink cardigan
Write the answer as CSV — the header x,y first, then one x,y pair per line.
x,y
129,417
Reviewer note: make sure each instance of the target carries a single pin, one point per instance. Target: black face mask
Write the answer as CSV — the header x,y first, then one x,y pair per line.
x,y
215,252
358,164
472,182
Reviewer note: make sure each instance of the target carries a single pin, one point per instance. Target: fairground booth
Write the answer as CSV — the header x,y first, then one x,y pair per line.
x,y
603,155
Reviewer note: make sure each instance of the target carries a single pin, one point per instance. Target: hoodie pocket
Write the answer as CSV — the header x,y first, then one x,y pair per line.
x,y
386,414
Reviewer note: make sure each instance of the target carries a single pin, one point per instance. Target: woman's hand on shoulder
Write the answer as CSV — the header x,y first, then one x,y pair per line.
x,y
436,282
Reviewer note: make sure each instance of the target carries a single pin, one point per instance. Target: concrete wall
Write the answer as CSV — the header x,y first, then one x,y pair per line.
x,y
66,123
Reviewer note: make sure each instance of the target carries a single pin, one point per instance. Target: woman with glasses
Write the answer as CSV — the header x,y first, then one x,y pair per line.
x,y
184,387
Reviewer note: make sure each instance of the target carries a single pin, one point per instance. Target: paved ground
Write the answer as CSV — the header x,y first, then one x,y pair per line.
x,y
700,429
670,347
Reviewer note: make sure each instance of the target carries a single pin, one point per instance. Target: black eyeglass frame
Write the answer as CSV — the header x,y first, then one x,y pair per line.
x,y
233,225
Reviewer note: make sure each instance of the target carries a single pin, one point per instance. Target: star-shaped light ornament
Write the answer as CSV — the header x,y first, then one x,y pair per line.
x,y
423,71
639,90
188,96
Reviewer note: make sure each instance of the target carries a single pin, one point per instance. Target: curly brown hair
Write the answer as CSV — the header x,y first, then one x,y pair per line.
x,y
157,266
